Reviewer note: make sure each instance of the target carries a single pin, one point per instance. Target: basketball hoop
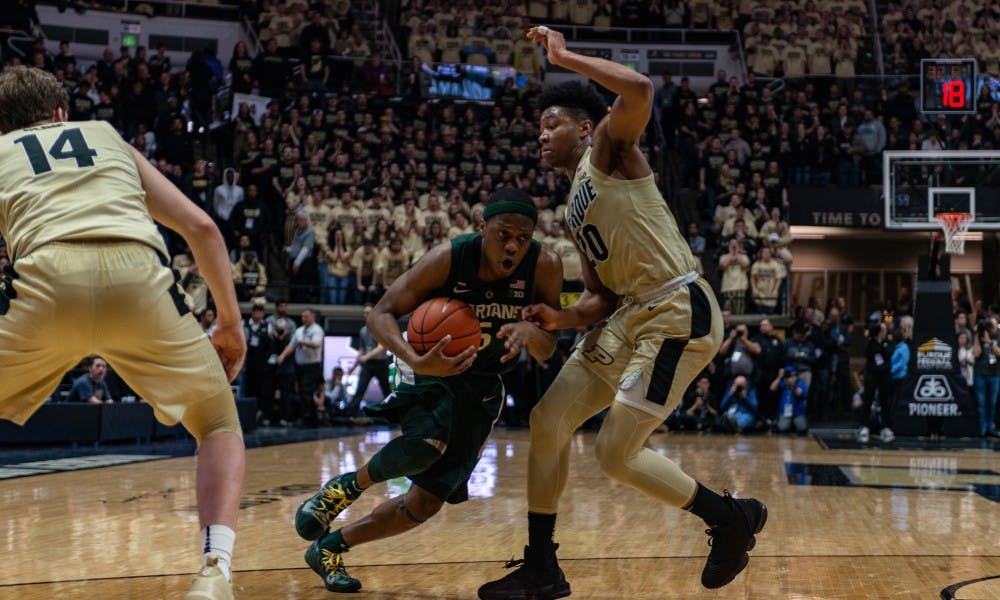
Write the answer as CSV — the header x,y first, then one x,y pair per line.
x,y
955,226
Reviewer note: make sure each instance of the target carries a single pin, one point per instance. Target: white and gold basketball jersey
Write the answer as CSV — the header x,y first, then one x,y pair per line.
x,y
73,181
626,230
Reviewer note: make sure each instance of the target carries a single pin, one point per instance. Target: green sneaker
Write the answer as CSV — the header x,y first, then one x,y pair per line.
x,y
314,516
330,566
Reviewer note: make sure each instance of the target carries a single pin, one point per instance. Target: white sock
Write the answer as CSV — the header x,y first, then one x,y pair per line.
x,y
218,541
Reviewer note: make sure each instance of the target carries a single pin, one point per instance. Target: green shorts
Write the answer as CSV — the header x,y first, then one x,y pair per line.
x,y
457,411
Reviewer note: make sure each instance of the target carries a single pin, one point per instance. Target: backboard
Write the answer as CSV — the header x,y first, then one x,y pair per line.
x,y
917,185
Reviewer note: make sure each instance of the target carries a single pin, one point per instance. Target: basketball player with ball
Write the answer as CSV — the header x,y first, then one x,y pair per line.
x,y
466,297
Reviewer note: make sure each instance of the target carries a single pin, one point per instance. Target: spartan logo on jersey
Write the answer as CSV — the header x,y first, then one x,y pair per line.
x,y
494,310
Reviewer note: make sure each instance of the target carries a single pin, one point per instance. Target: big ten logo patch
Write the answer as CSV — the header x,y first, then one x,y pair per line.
x,y
597,354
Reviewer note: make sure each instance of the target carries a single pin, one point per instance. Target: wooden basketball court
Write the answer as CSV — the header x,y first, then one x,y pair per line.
x,y
844,524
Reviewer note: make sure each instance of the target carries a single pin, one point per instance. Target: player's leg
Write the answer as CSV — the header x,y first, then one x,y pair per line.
x,y
577,394
425,416
690,331
673,345
153,342
392,517
443,480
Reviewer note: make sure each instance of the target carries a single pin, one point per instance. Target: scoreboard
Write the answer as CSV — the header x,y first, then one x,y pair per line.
x,y
948,85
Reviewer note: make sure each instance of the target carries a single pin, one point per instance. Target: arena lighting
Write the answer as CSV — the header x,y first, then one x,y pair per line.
x,y
810,232
805,232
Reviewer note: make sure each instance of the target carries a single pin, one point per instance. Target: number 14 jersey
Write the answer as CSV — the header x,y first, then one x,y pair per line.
x,y
626,230
73,181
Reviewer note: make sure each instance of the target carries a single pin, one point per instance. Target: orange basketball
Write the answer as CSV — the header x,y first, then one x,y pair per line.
x,y
439,317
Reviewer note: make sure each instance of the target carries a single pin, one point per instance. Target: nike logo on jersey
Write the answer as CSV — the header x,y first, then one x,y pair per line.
x,y
461,288
653,306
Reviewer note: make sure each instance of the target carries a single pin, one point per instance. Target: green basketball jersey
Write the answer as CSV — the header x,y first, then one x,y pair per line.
x,y
495,303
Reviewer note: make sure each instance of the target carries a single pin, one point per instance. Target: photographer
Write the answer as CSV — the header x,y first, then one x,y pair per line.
x,y
986,374
738,350
792,407
696,412
740,405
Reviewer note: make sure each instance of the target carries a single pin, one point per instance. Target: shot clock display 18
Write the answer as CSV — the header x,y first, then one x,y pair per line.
x,y
948,85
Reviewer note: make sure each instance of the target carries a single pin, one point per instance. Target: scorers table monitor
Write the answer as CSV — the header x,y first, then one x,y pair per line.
x,y
948,85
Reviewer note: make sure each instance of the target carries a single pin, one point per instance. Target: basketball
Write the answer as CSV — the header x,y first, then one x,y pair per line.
x,y
439,317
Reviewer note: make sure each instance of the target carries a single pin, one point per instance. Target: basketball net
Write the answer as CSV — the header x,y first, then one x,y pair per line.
x,y
955,226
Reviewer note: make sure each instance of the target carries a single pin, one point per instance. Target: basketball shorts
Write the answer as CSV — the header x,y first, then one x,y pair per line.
x,y
650,352
118,300
454,413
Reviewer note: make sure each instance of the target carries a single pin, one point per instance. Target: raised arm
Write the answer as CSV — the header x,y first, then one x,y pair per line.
x,y
631,110
405,294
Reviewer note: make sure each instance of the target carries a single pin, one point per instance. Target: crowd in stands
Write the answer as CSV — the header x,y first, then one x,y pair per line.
x,y
914,30
337,187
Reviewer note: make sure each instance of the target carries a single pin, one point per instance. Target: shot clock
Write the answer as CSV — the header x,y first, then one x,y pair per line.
x,y
948,85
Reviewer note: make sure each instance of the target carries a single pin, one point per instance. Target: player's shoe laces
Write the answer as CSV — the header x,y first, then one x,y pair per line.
x,y
731,541
538,577
315,514
210,583
330,566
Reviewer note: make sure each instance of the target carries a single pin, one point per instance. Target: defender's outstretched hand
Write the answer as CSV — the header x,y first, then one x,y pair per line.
x,y
542,315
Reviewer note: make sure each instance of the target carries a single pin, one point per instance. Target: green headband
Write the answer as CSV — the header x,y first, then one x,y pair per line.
x,y
510,206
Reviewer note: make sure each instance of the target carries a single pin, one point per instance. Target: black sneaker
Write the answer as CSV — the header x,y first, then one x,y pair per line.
x,y
538,577
731,541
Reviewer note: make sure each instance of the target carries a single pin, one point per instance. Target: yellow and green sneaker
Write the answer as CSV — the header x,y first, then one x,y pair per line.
x,y
314,516
330,566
